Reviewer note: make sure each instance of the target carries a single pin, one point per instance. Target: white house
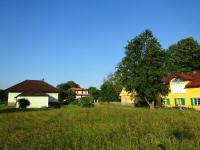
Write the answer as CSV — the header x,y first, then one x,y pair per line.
x,y
80,92
37,92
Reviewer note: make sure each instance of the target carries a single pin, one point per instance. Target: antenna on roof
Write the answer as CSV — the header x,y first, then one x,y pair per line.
x,y
42,79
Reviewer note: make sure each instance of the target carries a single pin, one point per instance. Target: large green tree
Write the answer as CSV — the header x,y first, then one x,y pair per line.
x,y
184,56
143,67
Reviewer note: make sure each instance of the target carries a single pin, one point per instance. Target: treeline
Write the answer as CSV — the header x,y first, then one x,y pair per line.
x,y
109,91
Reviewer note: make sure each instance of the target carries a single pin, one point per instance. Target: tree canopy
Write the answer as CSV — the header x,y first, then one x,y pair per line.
x,y
67,85
184,56
143,67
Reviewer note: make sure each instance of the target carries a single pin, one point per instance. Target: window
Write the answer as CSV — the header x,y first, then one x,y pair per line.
x,y
178,86
166,101
195,101
179,101
79,92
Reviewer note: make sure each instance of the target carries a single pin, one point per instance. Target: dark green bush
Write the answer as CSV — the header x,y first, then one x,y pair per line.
x,y
54,104
74,101
86,102
23,103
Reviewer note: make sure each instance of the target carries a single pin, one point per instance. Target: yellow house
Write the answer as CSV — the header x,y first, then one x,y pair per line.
x,y
126,97
184,90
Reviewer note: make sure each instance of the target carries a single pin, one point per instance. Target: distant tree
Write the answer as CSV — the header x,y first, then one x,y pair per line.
x,y
184,56
67,85
108,92
3,96
23,103
114,79
65,93
94,93
67,96
143,67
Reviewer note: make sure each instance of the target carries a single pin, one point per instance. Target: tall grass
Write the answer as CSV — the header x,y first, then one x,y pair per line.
x,y
101,127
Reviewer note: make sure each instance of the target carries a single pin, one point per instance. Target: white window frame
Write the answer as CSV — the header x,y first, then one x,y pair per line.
x,y
165,101
178,86
196,101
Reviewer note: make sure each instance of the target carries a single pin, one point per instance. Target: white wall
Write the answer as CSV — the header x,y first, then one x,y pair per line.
x,y
53,96
11,97
36,101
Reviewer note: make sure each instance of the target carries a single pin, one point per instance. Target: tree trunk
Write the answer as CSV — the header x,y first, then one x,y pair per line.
x,y
151,104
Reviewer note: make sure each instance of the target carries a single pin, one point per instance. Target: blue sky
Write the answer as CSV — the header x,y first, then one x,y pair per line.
x,y
61,40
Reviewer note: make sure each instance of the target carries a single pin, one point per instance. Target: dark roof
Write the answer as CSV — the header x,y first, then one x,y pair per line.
x,y
194,79
32,92
29,85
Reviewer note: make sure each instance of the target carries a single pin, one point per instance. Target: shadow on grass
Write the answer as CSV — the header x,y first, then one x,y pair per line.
x,y
14,110
162,146
183,133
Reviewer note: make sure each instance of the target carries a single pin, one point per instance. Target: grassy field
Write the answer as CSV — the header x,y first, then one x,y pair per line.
x,y
101,127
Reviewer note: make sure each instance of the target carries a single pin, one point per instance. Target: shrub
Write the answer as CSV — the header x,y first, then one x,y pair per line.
x,y
70,101
67,96
54,104
86,102
23,103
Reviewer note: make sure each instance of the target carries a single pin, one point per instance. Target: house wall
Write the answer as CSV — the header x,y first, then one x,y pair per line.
x,y
11,98
127,98
53,96
189,93
36,101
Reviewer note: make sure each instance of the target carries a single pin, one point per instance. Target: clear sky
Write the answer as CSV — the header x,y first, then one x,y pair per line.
x,y
83,40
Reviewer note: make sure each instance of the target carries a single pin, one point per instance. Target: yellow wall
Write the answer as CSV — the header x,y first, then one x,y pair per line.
x,y
127,98
190,93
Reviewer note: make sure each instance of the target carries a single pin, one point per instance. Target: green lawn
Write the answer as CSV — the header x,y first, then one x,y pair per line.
x,y
3,106
101,127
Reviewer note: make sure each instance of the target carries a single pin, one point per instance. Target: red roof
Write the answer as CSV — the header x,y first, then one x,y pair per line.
x,y
30,85
194,79
78,89
166,80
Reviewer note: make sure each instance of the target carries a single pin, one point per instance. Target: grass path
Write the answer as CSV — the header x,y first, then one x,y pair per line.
x,y
101,127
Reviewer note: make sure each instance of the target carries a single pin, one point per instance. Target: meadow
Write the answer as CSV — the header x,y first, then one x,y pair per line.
x,y
101,127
